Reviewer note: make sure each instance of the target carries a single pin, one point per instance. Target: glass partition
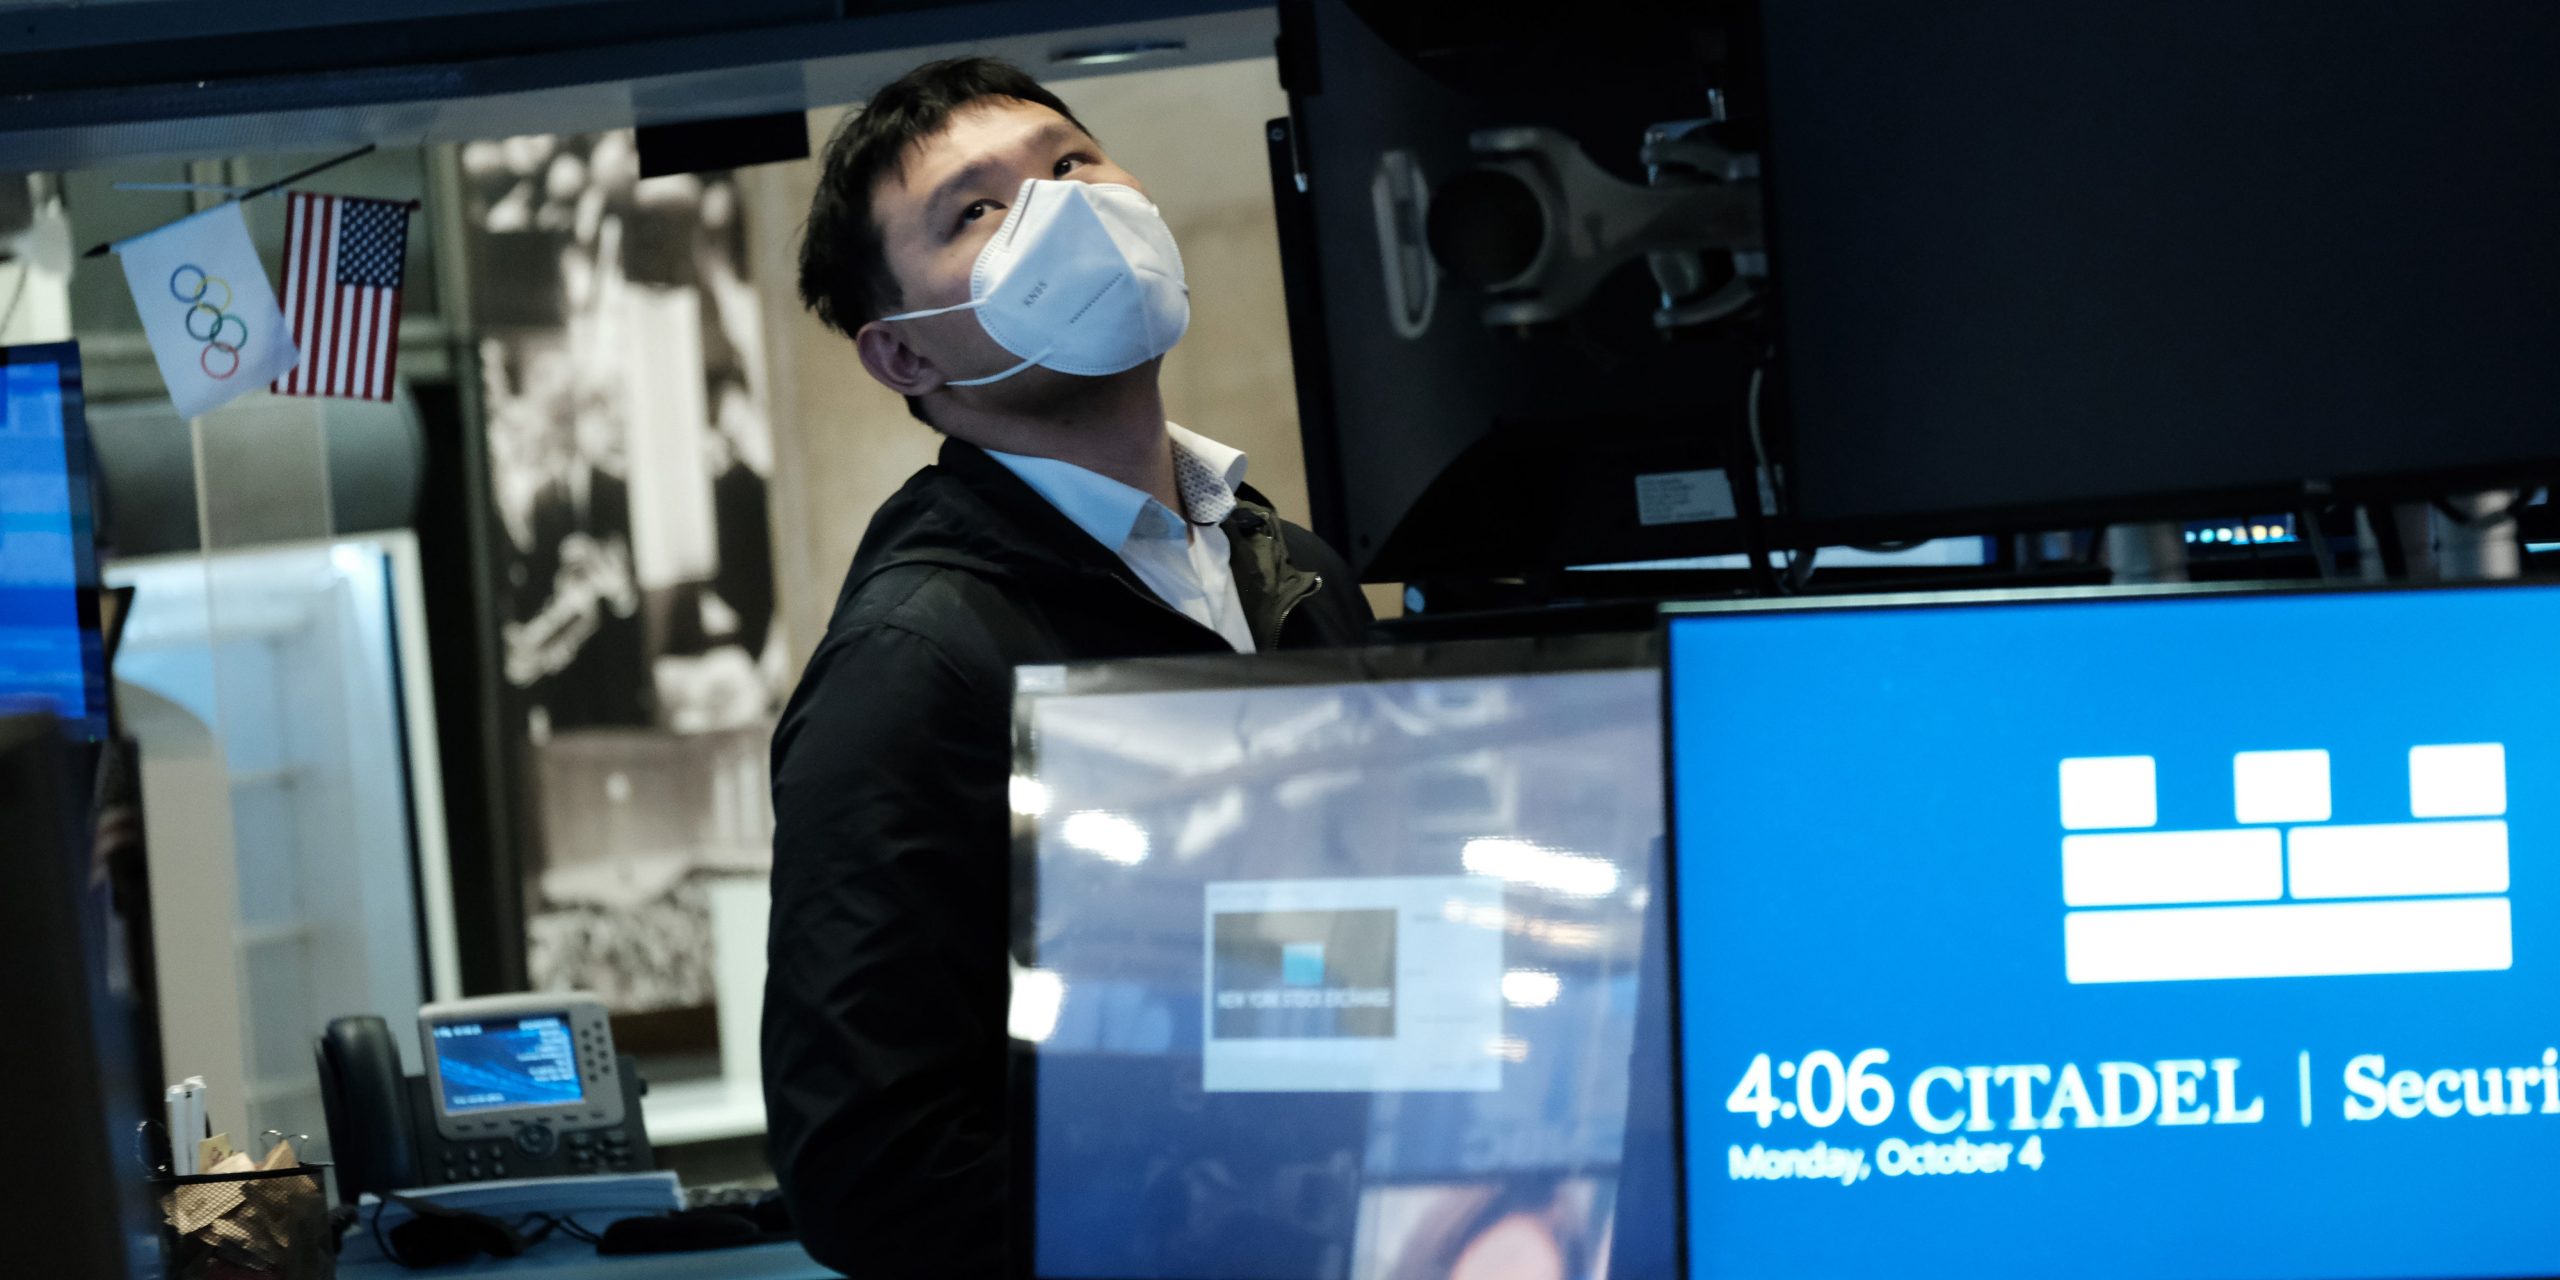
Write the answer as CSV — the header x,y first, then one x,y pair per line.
x,y
296,655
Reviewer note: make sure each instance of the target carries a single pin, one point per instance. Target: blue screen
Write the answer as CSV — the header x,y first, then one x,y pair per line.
x,y
507,1062
47,657
2040,938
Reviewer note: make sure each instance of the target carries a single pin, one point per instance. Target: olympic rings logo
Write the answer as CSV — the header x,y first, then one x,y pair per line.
x,y
214,317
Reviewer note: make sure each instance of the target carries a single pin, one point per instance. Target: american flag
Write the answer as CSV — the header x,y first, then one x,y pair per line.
x,y
342,262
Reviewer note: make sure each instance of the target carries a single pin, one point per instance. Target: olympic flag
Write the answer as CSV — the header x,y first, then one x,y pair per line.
x,y
213,322
342,276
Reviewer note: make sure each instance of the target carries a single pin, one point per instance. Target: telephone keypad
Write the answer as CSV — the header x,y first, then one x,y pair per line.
x,y
546,1142
536,1150
537,1139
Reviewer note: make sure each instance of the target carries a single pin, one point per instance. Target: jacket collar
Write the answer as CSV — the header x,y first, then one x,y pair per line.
x,y
968,512
1035,534
1014,528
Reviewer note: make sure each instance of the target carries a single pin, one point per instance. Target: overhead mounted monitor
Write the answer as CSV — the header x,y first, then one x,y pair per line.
x,y
2054,265
1440,445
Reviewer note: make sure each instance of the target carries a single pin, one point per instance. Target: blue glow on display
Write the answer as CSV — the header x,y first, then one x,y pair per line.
x,y
507,1062
45,653
2013,942
2254,531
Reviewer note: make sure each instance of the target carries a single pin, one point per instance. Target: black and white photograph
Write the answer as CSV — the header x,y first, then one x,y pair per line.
x,y
622,371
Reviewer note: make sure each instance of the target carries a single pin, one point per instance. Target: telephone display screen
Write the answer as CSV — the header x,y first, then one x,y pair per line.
x,y
529,1061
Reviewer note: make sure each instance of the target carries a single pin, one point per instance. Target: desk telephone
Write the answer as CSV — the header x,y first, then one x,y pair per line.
x,y
521,1086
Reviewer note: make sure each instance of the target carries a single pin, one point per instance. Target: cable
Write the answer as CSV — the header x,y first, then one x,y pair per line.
x,y
565,1224
381,1245
1755,536
2306,526
2387,546
1744,481
525,1239
26,267
1747,498
1800,560
1759,448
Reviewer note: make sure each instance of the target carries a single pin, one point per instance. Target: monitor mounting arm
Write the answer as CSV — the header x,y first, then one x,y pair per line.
x,y
1537,224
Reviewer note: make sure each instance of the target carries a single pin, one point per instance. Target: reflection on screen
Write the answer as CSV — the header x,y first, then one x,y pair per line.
x,y
1346,975
43,648
2092,954
507,1062
1354,985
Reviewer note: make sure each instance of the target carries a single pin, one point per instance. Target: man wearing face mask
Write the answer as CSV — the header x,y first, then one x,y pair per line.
x,y
994,267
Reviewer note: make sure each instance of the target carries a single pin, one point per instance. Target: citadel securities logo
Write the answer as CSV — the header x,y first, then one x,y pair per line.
x,y
2284,894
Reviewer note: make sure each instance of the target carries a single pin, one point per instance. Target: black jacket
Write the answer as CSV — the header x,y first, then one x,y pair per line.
x,y
884,1040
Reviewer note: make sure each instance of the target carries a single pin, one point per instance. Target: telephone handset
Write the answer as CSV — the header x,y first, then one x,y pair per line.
x,y
365,1099
521,1086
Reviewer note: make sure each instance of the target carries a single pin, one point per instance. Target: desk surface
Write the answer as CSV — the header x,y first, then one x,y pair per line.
x,y
571,1260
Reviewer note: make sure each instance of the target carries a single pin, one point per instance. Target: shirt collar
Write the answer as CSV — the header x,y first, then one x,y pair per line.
x,y
1206,471
1225,463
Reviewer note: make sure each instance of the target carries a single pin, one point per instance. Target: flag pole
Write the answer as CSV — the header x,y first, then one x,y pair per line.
x,y
100,251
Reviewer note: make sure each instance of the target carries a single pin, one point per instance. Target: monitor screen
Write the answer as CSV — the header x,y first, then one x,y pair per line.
x,y
529,1061
2161,268
2034,938
1337,980
50,658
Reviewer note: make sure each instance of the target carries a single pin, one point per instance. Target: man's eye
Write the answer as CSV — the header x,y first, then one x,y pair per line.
x,y
1065,166
976,210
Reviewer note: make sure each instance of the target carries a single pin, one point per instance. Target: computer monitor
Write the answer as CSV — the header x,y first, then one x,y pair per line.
x,y
2033,936
1333,967
1439,446
85,1036
2041,265
50,656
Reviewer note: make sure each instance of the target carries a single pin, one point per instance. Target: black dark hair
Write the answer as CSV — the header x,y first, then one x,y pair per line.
x,y
844,267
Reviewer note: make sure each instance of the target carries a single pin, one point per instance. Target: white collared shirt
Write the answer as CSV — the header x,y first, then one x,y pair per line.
x,y
1184,561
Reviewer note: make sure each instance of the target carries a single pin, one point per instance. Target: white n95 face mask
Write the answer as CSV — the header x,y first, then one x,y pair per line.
x,y
1080,277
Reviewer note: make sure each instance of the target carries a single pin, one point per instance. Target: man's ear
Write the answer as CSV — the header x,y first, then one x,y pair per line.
x,y
894,364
